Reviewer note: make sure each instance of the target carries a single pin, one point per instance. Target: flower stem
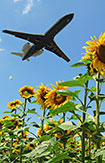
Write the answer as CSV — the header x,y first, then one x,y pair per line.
x,y
11,144
83,127
23,123
89,149
64,140
98,159
64,114
42,121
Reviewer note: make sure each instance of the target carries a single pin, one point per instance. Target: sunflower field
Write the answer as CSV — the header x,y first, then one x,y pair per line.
x,y
66,131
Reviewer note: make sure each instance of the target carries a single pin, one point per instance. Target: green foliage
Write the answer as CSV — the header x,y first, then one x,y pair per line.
x,y
79,64
79,82
69,93
68,107
69,126
59,157
66,132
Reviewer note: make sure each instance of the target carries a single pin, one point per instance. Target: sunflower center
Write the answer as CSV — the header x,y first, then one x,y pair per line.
x,y
27,92
59,98
101,53
43,95
13,104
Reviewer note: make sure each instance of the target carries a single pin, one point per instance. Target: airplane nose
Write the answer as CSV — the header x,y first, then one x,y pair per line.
x,y
71,16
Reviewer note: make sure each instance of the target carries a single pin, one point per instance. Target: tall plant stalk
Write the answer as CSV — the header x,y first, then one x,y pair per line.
x,y
42,121
64,114
83,127
65,140
23,124
11,144
98,159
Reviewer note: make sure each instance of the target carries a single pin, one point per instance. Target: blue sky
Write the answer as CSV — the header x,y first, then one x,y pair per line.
x,y
37,16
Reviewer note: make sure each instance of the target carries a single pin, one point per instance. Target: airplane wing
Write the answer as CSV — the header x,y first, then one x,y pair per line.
x,y
53,47
26,36
59,25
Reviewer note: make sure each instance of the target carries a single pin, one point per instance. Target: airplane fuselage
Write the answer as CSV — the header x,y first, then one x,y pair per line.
x,y
45,41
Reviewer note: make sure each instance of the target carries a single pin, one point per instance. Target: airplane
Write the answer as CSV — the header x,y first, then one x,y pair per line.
x,y
25,48
46,40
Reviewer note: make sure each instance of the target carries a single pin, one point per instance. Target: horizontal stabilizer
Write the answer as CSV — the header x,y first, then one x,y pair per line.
x,y
19,54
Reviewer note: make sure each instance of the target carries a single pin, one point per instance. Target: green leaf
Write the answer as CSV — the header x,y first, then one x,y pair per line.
x,y
94,97
69,93
28,119
101,113
78,117
89,118
69,106
72,83
34,124
68,126
7,112
41,149
100,152
103,124
31,111
33,102
15,115
58,158
62,156
42,117
85,77
77,82
101,96
93,89
86,61
79,64
7,123
38,150
43,138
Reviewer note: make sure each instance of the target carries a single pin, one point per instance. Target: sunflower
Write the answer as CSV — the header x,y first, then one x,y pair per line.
x,y
48,126
39,132
96,53
54,99
5,116
27,92
51,125
40,96
13,104
10,123
1,124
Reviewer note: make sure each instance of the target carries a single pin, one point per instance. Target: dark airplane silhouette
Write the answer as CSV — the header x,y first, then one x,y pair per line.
x,y
45,41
